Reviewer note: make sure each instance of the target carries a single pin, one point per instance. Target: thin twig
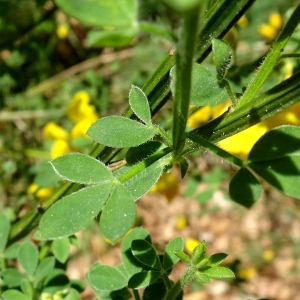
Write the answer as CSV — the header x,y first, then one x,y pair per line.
x,y
81,67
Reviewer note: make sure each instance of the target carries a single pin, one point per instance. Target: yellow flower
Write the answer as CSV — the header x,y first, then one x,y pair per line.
x,y
80,128
190,245
199,117
207,113
58,148
181,222
271,30
268,255
241,143
247,273
53,131
41,193
167,185
276,21
62,31
79,108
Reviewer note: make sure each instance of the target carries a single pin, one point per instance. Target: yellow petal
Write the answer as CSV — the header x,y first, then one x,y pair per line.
x,y
59,147
247,273
181,222
268,255
80,128
53,131
32,188
62,31
275,20
167,185
240,144
190,245
77,105
44,193
267,31
199,117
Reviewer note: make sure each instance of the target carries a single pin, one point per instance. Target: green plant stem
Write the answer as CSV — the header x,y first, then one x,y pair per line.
x,y
273,101
23,226
230,93
215,149
289,55
166,281
178,286
184,64
271,59
144,164
164,135
136,294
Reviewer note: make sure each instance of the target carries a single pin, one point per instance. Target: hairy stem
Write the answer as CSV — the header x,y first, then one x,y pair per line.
x,y
183,80
271,59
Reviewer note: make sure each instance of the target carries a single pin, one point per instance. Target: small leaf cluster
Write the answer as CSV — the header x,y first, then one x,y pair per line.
x,y
203,268
43,272
143,268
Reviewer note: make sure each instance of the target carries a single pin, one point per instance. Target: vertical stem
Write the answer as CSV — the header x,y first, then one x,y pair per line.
x,y
136,294
184,63
271,58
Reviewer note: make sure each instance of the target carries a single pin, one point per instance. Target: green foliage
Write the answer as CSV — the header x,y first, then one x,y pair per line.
x,y
132,151
116,132
120,203
74,212
275,157
244,188
81,168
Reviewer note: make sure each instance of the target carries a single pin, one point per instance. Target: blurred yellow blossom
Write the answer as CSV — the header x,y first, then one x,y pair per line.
x,y
53,131
80,128
79,108
268,255
275,20
62,31
190,245
271,30
207,113
242,142
247,273
59,147
41,193
167,185
181,222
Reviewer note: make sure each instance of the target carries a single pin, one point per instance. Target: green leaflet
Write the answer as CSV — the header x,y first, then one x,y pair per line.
x,y
170,258
222,54
102,277
118,214
139,104
120,132
115,38
103,13
244,188
73,212
28,257
81,168
276,158
206,89
131,264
